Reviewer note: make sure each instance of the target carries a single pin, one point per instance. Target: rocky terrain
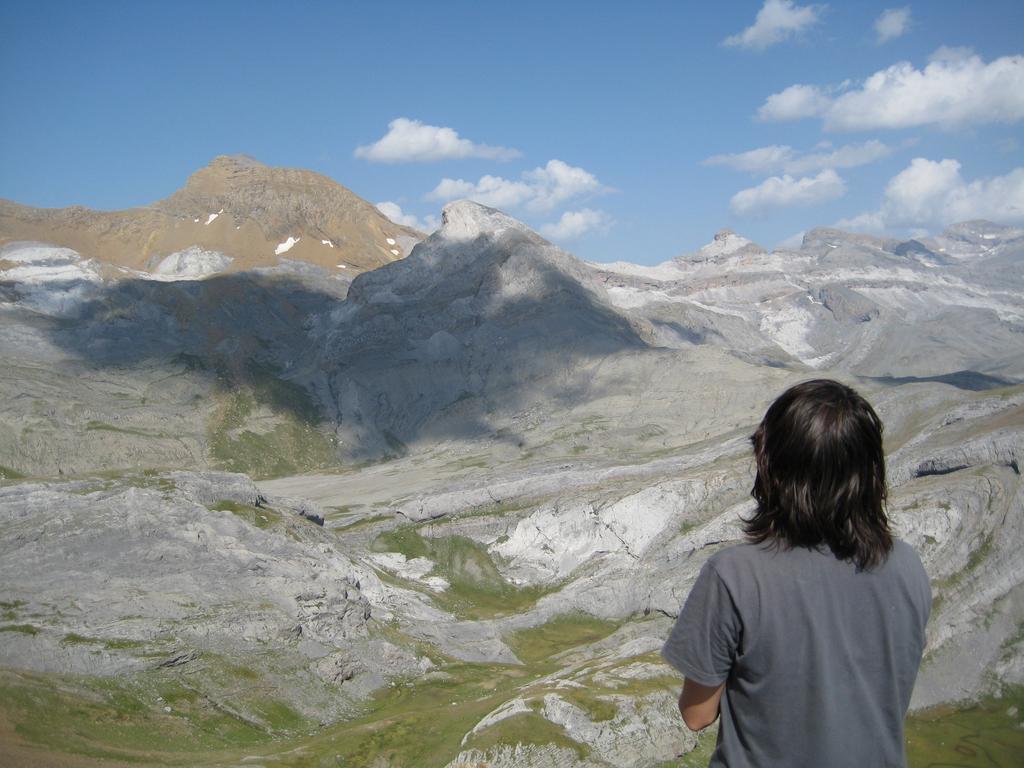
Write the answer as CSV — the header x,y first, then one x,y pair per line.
x,y
444,513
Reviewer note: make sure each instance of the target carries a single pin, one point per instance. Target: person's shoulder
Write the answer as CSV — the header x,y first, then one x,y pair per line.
x,y
904,563
904,555
739,556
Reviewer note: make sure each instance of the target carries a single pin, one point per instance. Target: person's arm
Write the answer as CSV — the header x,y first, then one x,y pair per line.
x,y
698,704
703,645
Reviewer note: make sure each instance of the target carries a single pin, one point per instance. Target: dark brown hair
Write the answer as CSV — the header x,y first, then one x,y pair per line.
x,y
821,474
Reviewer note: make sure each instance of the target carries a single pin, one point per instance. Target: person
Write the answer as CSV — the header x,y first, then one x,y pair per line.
x,y
806,638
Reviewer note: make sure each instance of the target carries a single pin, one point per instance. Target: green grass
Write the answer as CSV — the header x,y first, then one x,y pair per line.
x,y
292,446
6,473
560,634
477,589
979,735
23,629
598,709
10,609
112,644
418,722
524,728
976,557
700,756
102,426
113,719
295,444
261,517
415,723
363,522
73,638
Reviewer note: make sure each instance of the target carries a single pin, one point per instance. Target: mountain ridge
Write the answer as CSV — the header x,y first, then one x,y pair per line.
x,y
253,214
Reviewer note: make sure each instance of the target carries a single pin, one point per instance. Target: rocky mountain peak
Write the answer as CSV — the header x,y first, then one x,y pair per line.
x,y
982,232
466,220
832,238
236,209
726,244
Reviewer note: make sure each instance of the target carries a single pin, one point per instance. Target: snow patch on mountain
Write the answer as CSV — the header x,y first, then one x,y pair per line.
x,y
192,263
788,327
286,245
50,280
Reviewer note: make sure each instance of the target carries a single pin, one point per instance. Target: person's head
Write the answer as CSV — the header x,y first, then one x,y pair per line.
x,y
821,474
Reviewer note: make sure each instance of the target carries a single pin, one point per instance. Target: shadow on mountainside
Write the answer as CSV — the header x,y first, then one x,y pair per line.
x,y
972,381
380,374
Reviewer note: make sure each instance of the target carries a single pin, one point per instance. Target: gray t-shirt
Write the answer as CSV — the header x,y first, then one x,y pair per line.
x,y
819,659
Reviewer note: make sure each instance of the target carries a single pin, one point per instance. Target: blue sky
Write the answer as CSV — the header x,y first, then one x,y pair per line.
x,y
620,130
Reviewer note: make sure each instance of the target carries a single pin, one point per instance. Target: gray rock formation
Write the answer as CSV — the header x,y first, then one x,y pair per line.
x,y
189,570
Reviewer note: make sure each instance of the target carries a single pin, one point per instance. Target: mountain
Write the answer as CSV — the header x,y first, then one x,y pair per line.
x,y
845,302
521,462
234,214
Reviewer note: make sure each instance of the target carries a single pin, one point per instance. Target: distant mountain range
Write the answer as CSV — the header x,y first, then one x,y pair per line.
x,y
868,305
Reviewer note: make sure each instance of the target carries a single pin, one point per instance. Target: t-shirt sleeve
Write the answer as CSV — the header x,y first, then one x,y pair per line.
x,y
706,636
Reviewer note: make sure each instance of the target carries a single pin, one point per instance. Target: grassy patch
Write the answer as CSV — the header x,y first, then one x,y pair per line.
x,y
23,629
122,644
363,522
278,715
700,755
6,473
477,589
976,557
560,634
293,443
73,638
290,447
113,644
525,728
598,709
102,426
119,720
261,517
981,735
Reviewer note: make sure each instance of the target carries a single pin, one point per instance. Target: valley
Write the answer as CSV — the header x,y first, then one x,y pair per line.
x,y
443,510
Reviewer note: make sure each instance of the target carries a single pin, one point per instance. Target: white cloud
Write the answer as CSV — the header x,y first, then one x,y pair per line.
x,y
394,212
785,159
760,160
892,23
574,224
785,191
541,189
777,20
955,88
930,194
410,141
794,103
